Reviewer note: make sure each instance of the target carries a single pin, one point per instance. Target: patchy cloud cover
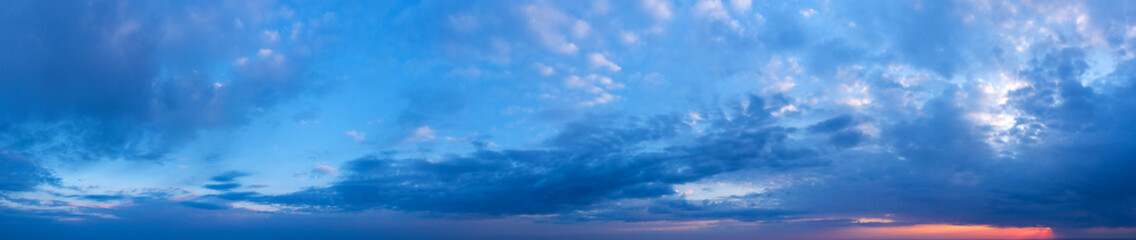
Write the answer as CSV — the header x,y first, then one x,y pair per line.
x,y
600,119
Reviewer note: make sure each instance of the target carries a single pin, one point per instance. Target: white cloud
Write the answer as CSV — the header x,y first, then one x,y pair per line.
x,y
694,118
712,9
122,32
608,83
596,86
872,220
600,7
575,82
629,37
548,23
271,36
856,102
580,29
421,134
323,170
544,70
741,5
652,78
309,122
660,9
264,52
783,110
591,82
808,12
598,60
601,99
358,136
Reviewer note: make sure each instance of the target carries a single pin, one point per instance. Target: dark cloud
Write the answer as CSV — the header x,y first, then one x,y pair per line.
x,y
228,176
132,79
226,181
833,124
18,174
1055,94
846,138
223,186
838,132
601,159
1062,166
205,205
102,198
135,80
671,208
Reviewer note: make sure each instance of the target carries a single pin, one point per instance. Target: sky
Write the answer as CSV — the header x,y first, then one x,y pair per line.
x,y
591,119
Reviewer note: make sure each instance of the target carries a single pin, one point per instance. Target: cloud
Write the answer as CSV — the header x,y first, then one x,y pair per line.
x,y
135,92
204,205
942,166
713,9
544,70
229,176
581,28
807,13
741,5
590,162
324,171
659,9
595,88
19,174
357,136
833,124
944,50
548,23
223,186
598,60
880,118
420,134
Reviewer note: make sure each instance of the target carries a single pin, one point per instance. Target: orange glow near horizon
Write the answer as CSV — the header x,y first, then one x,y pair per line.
x,y
947,231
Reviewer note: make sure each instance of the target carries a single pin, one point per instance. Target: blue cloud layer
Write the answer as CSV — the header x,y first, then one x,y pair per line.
x,y
611,119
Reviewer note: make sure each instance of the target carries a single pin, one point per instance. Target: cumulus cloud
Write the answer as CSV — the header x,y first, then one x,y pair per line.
x,y
712,9
741,5
596,88
548,24
660,9
544,70
421,134
599,60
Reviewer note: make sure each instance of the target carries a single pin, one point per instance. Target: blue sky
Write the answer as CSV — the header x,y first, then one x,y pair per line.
x,y
652,119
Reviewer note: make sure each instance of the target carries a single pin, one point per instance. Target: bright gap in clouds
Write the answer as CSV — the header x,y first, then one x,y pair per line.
x,y
945,231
